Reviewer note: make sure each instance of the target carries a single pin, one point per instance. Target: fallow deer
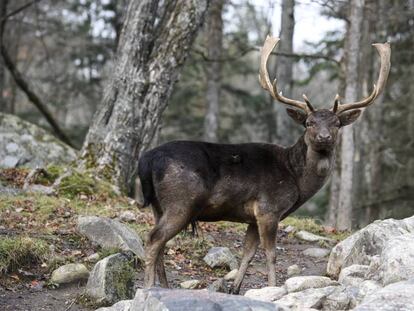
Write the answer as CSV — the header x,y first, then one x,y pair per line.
x,y
254,183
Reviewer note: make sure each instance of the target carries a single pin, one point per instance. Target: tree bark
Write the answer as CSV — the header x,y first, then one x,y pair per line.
x,y
213,70
352,48
150,54
284,72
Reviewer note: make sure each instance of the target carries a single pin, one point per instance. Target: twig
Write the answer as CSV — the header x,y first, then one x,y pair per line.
x,y
18,10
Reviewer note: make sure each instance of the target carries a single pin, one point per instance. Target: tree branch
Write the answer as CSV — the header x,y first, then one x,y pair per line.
x,y
17,11
232,58
23,85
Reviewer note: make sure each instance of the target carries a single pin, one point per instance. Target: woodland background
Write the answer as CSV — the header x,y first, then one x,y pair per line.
x,y
64,52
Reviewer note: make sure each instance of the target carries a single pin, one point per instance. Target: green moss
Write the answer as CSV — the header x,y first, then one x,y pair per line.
x,y
18,252
123,281
52,173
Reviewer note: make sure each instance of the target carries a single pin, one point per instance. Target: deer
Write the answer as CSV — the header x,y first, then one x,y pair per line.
x,y
258,184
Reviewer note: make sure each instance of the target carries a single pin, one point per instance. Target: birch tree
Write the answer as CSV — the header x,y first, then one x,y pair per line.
x,y
154,43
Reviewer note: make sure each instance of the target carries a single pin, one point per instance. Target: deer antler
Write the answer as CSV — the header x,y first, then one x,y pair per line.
x,y
269,44
384,51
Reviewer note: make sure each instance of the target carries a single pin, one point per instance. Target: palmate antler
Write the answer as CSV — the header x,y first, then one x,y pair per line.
x,y
270,43
384,51
264,79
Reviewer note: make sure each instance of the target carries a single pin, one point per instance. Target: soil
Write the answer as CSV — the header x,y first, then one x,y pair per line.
x,y
29,294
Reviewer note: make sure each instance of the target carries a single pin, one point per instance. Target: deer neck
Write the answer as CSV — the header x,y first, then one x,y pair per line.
x,y
309,167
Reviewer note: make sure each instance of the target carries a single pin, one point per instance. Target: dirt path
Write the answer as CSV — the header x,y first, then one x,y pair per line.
x,y
289,250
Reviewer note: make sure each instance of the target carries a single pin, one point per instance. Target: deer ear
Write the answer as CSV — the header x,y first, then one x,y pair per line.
x,y
349,117
299,116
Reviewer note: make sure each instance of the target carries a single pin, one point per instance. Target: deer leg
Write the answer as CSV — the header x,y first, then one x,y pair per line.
x,y
251,242
267,230
162,276
167,228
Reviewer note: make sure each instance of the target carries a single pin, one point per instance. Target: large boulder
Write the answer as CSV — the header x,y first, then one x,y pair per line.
x,y
111,280
157,299
397,296
269,294
123,305
111,234
397,260
367,243
309,298
25,144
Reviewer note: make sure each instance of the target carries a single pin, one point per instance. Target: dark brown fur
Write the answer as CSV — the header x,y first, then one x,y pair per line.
x,y
253,183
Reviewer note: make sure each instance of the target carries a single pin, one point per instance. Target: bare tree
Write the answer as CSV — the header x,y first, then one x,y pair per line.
x,y
352,49
284,70
214,47
153,46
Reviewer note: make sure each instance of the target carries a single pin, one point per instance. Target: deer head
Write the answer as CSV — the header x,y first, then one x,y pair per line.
x,y
322,125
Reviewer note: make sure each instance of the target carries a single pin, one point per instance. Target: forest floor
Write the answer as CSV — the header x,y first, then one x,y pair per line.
x,y
38,234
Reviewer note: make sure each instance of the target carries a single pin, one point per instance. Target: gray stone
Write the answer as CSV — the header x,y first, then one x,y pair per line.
x,y
123,305
310,237
397,259
309,298
293,270
397,296
231,275
157,299
359,271
342,298
220,257
219,286
300,283
289,229
23,143
316,252
69,273
93,258
190,284
109,233
127,216
111,280
366,288
362,246
269,294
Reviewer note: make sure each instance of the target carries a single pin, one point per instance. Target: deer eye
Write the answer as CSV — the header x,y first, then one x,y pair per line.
x,y
310,123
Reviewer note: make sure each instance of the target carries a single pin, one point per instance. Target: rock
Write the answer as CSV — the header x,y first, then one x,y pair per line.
x,y
39,189
316,252
310,237
293,270
358,271
219,286
397,296
190,284
93,258
362,246
158,299
397,259
231,275
111,280
351,281
342,298
269,294
309,298
289,229
127,216
123,305
109,233
23,143
300,283
220,257
367,287
69,273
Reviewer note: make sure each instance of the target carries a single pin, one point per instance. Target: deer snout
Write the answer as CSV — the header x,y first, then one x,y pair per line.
x,y
324,137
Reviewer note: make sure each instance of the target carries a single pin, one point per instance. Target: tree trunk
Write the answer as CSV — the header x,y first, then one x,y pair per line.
x,y
214,46
352,49
151,52
284,72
